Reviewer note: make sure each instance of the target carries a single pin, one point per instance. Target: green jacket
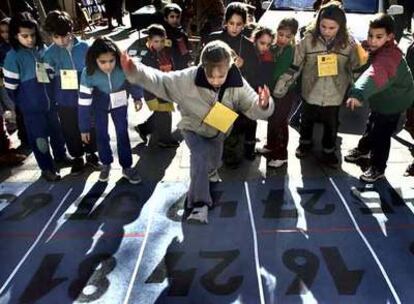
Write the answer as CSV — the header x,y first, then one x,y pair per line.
x,y
283,59
387,83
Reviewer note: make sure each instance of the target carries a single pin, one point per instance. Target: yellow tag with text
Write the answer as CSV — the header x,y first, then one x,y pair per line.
x,y
220,117
327,65
69,80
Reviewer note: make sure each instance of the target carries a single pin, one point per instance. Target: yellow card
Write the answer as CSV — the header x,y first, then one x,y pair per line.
x,y
156,106
220,117
69,80
167,43
327,65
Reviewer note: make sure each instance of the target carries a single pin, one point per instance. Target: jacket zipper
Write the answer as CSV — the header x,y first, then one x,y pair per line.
x,y
110,89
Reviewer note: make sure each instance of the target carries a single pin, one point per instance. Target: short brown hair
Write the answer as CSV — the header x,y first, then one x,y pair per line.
x,y
384,21
290,24
58,23
215,54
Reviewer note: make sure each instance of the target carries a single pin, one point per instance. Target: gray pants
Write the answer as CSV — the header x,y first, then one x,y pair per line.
x,y
205,156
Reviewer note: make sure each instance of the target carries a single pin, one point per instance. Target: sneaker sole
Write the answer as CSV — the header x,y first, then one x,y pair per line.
x,y
283,163
134,182
355,159
368,180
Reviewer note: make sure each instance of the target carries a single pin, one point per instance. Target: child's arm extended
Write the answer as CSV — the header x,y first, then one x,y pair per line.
x,y
379,76
159,83
289,77
253,105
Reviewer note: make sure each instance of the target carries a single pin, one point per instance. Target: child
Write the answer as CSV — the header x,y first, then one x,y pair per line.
x,y
409,124
325,57
103,91
7,156
25,79
387,84
196,90
5,47
243,137
262,38
177,38
66,60
277,127
157,56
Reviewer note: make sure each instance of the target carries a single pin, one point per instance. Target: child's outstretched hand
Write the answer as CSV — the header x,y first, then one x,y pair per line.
x,y
127,64
264,95
352,103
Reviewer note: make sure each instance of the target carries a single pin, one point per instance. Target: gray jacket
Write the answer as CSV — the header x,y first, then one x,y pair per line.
x,y
195,97
321,91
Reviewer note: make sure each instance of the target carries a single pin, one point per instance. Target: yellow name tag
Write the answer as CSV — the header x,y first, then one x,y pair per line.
x,y
69,80
156,106
220,117
41,74
327,65
167,43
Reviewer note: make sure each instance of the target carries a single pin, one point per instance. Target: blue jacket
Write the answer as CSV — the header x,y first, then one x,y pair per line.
x,y
95,93
21,82
57,59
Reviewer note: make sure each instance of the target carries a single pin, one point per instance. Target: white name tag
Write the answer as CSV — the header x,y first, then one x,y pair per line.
x,y
119,99
41,73
69,79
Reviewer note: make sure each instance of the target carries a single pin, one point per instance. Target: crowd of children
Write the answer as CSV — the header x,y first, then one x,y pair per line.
x,y
65,93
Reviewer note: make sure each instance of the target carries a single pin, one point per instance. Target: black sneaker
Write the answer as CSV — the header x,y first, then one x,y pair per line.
x,y
355,155
64,162
50,176
169,144
92,160
144,136
371,175
410,170
303,150
77,167
330,159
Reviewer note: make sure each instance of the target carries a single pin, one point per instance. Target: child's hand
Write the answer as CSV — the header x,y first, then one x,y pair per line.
x,y
138,105
239,62
86,137
353,103
127,64
264,95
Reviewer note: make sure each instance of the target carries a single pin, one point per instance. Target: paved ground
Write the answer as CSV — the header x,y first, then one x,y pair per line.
x,y
300,234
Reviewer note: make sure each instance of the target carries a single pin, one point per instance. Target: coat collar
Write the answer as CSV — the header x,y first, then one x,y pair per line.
x,y
234,79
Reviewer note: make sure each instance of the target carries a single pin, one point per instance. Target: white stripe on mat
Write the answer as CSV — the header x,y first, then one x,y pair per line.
x,y
140,255
371,250
39,237
256,248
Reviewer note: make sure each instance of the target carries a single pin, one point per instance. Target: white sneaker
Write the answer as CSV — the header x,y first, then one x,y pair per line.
x,y
199,215
277,163
214,177
263,150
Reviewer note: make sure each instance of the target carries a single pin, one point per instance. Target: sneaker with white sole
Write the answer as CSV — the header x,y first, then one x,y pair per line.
x,y
104,175
214,176
277,163
199,215
263,150
131,174
355,155
372,175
